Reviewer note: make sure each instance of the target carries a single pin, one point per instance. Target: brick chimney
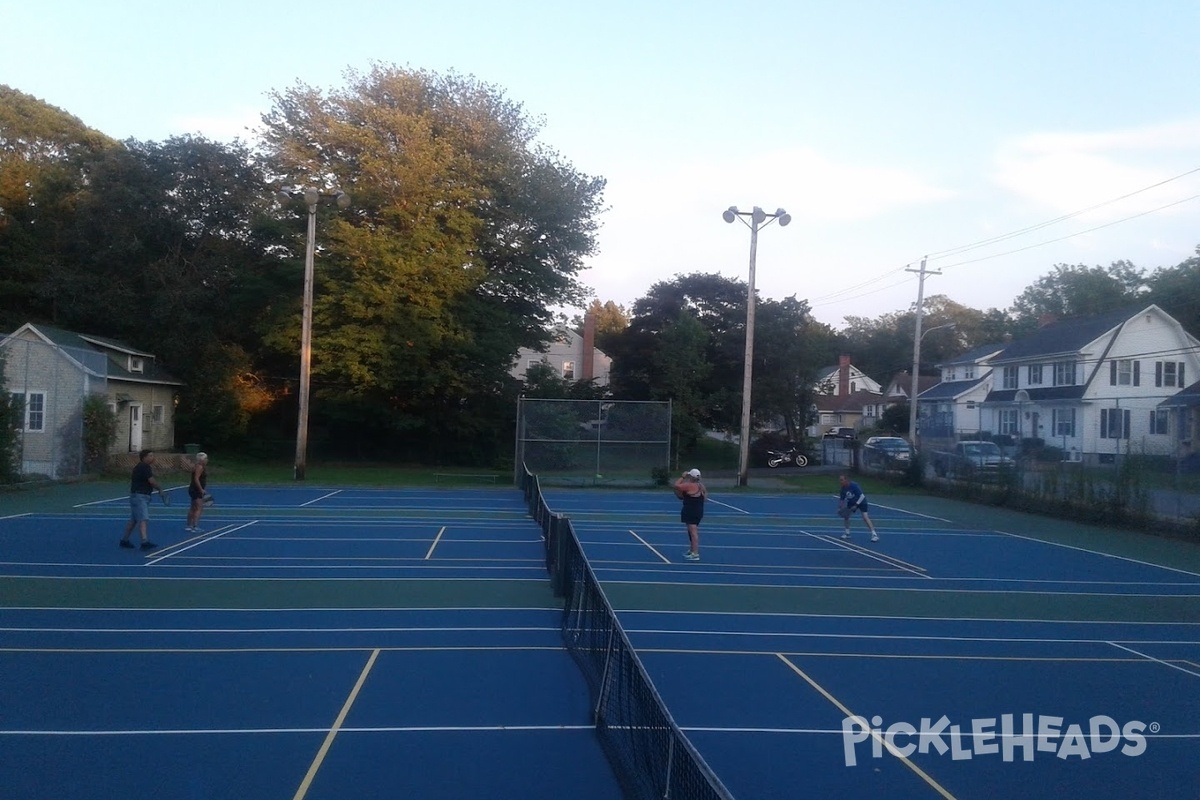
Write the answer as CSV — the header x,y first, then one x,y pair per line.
x,y
589,346
843,375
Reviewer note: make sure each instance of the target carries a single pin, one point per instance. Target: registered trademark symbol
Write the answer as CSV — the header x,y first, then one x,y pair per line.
x,y
1155,727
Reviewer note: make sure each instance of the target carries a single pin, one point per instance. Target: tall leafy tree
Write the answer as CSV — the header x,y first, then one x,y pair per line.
x,y
462,236
718,305
46,157
1079,290
1177,291
790,348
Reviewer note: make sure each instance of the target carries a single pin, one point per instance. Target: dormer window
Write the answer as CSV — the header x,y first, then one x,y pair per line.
x,y
137,364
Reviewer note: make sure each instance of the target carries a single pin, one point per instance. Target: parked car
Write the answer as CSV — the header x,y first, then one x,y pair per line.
x,y
842,433
971,459
887,452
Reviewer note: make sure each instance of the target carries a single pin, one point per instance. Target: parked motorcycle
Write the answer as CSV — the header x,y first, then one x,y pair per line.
x,y
777,458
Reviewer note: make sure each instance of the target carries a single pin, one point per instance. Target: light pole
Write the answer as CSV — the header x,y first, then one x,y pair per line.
x,y
312,198
912,394
758,219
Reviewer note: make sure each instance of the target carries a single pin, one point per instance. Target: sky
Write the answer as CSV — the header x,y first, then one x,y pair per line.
x,y
998,138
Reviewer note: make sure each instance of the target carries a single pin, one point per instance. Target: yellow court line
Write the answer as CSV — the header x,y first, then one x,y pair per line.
x,y
337,725
903,759
436,539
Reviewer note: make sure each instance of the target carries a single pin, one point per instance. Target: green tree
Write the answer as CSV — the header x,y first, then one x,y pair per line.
x,y
1078,290
790,348
462,237
1177,291
718,304
46,156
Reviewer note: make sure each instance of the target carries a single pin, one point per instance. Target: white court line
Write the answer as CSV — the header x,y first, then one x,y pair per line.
x,y
880,617
1152,658
14,516
880,557
1117,595
734,508
897,637
652,550
436,539
414,629
243,731
322,497
1098,553
155,560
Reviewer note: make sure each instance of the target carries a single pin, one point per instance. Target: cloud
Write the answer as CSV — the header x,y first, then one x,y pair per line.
x,y
809,184
1066,172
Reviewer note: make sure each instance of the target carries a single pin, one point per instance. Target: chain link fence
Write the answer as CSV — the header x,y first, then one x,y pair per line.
x,y
45,387
587,442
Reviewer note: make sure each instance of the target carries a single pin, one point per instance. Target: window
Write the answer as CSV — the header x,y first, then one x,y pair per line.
x,y
156,414
1124,372
569,370
136,364
970,405
1010,378
1168,373
952,374
1062,421
1114,423
1160,421
531,363
1035,374
32,407
1064,373
969,372
1008,420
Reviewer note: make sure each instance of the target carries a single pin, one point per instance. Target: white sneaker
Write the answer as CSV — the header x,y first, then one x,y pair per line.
x,y
189,529
874,537
845,536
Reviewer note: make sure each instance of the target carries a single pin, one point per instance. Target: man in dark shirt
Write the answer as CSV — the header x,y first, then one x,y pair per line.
x,y
142,483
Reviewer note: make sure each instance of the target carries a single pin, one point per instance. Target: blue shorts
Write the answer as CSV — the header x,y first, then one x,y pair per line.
x,y
139,507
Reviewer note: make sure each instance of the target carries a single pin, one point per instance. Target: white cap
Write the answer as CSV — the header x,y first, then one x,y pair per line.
x,y
695,473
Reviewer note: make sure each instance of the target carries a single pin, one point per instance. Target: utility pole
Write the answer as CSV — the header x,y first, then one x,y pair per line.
x,y
912,395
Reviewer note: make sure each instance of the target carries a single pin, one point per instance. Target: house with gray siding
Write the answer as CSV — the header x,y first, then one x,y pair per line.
x,y
49,371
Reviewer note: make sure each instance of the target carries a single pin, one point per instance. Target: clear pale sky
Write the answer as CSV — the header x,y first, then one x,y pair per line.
x,y
888,130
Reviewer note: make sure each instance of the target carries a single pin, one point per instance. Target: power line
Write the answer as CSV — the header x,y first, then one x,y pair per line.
x,y
1056,220
1072,235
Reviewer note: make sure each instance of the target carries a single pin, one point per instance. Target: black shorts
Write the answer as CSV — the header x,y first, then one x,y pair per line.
x,y
688,517
195,494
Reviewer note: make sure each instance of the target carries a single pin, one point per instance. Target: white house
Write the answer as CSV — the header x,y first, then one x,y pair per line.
x,y
845,379
1096,387
572,355
955,404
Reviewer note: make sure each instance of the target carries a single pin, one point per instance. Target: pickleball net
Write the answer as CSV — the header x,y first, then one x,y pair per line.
x,y
650,755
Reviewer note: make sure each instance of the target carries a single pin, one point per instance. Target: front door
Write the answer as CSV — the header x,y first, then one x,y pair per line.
x,y
135,427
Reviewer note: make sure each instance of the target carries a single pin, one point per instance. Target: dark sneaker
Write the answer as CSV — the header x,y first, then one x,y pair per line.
x,y
148,545
126,543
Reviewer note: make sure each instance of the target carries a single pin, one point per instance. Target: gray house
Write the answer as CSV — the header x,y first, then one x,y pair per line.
x,y
50,371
